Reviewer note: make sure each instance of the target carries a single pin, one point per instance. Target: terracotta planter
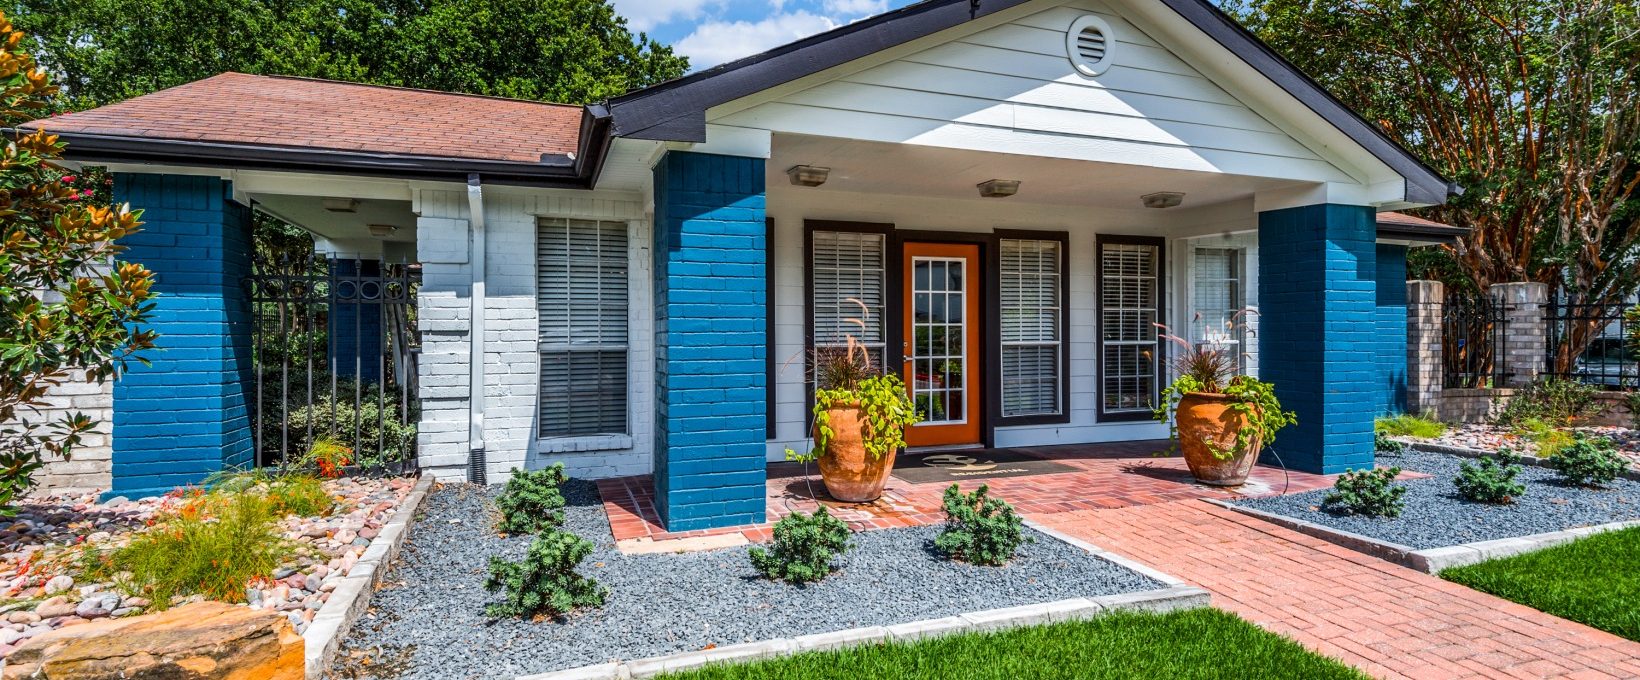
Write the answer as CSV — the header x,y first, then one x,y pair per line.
x,y
1206,418
850,473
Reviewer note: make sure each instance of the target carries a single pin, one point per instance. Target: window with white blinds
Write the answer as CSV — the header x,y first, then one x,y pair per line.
x,y
1217,298
849,266
582,297
1031,332
1129,304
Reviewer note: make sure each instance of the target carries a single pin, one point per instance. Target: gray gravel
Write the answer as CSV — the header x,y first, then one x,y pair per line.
x,y
427,620
1436,516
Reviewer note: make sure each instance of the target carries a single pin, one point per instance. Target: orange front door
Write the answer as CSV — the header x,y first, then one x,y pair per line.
x,y
941,346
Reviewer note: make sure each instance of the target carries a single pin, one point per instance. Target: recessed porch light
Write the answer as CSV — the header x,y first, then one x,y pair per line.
x,y
998,188
340,205
1163,199
808,175
382,230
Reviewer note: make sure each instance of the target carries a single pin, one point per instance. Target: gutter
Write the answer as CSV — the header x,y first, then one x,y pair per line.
x,y
476,463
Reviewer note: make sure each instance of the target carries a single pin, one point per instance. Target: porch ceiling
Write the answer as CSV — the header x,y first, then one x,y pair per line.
x,y
911,170
308,212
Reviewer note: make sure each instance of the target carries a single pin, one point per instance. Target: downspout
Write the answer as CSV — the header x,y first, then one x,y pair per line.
x,y
475,378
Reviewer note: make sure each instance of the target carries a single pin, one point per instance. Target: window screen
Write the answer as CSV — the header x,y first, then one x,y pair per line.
x,y
849,266
1217,299
1129,295
582,288
1031,333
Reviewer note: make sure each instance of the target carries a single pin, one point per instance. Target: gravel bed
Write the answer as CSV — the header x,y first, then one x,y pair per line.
x,y
1489,437
1436,516
427,619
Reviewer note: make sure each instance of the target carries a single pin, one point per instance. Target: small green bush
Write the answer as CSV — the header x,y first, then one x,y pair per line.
x,y
1544,436
545,582
291,493
1382,442
1492,479
213,545
1556,400
1372,493
978,528
803,547
1589,461
1408,425
532,501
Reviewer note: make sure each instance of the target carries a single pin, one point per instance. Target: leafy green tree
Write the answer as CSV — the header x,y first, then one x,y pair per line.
x,y
571,51
66,304
1532,105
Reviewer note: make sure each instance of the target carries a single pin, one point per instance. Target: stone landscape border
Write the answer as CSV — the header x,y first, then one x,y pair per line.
x,y
1175,595
324,634
1429,560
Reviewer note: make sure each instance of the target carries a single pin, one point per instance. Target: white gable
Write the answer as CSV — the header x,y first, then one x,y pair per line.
x,y
1012,88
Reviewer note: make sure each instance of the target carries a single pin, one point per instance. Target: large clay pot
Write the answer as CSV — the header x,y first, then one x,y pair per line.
x,y
850,473
1205,418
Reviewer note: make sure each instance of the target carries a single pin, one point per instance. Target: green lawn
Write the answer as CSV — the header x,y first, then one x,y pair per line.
x,y
1201,643
1595,581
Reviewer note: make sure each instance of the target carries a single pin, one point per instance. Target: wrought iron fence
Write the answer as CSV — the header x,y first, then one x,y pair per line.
x,y
335,347
1594,344
1472,343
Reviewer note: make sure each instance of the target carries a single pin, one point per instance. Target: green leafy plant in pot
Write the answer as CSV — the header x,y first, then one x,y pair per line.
x,y
860,417
1220,420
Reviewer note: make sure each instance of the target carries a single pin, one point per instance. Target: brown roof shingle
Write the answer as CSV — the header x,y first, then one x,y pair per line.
x,y
236,108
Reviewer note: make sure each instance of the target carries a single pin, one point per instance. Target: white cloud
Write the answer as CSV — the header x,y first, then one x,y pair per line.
x,y
856,7
715,42
645,15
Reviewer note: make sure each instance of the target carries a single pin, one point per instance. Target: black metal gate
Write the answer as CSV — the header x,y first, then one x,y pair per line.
x,y
1472,343
1593,344
335,348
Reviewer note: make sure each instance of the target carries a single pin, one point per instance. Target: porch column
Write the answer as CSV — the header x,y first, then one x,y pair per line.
x,y
1318,282
186,415
1424,374
1392,328
354,327
710,274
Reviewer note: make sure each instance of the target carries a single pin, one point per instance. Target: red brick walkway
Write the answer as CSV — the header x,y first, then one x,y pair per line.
x,y
1387,620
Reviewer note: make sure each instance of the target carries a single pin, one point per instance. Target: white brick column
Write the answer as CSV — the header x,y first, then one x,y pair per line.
x,y
1525,347
1424,372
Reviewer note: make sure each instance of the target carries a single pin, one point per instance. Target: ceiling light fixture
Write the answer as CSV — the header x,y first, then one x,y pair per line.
x,y
340,205
382,230
808,175
1163,199
998,188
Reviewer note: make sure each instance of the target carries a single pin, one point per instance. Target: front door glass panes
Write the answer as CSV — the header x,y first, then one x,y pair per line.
x,y
939,334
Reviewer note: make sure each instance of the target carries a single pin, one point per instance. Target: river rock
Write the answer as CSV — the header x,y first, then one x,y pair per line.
x,y
206,640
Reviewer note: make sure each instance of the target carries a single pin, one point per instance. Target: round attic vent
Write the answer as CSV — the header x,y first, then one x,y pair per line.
x,y
1090,44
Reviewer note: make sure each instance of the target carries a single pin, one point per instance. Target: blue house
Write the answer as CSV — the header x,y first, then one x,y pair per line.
x,y
1016,191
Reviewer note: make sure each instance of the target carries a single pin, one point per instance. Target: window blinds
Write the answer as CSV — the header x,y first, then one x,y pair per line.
x,y
582,300
1031,333
1128,296
849,265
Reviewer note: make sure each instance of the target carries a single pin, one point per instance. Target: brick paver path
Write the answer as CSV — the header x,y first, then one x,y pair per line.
x,y
1387,620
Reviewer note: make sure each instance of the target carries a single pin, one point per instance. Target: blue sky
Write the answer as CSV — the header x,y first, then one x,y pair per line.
x,y
711,32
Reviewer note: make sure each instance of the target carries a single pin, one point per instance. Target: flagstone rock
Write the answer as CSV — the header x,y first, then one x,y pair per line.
x,y
203,641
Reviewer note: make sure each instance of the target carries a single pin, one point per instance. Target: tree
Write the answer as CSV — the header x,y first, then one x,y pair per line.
x,y
570,51
1531,105
66,304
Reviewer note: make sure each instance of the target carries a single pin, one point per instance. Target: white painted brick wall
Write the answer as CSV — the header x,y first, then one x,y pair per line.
x,y
91,465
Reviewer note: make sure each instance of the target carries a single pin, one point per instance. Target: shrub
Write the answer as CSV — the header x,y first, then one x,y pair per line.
x,y
1408,425
384,438
978,528
1546,439
545,582
803,547
531,501
1372,493
1556,400
1491,479
213,545
1382,442
1589,461
297,494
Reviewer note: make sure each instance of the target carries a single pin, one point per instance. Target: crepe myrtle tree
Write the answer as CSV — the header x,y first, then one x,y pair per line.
x,y
67,305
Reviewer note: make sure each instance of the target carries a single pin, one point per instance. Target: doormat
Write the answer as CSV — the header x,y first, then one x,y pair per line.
x,y
956,466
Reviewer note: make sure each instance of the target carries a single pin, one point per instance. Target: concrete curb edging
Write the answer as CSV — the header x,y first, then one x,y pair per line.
x,y
1430,560
1177,595
324,634
1529,461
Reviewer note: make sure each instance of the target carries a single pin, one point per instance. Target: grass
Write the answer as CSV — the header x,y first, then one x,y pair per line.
x,y
1408,425
1201,643
1592,581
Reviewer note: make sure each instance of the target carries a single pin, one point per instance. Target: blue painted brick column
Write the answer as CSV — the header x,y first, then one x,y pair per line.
x,y
354,329
1318,286
1392,328
187,415
710,274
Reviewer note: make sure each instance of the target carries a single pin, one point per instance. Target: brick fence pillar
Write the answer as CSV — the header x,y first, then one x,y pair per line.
x,y
1525,348
1424,372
